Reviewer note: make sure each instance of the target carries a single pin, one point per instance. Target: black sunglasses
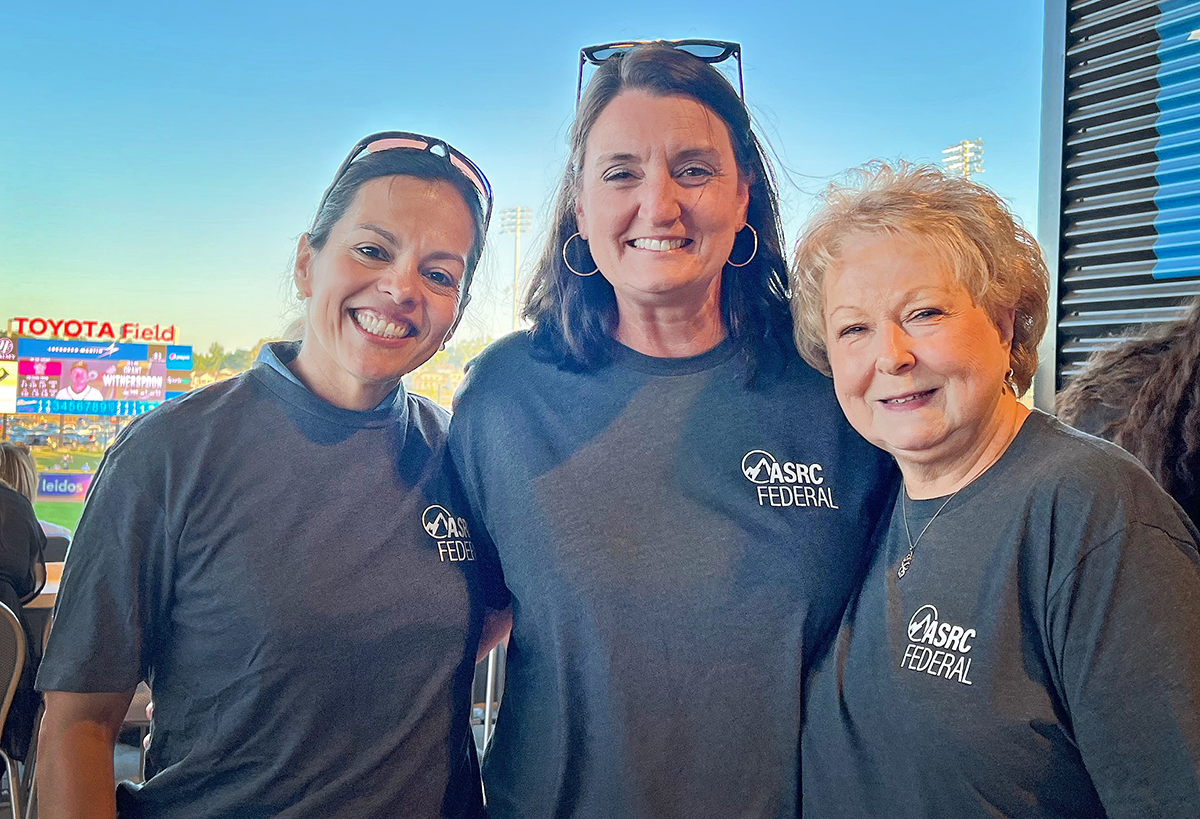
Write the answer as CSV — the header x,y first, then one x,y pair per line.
x,y
710,51
391,140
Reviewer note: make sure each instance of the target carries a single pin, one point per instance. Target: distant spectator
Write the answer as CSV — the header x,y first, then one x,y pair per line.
x,y
21,545
18,470
1144,394
78,389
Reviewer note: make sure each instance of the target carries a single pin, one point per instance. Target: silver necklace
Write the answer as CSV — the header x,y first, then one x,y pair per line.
x,y
906,561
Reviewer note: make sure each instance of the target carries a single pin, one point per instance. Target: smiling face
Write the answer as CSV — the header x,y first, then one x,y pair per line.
x,y
660,199
79,379
918,367
383,292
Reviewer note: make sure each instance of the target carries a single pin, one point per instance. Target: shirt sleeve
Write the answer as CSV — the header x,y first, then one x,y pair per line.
x,y
105,614
1126,632
491,576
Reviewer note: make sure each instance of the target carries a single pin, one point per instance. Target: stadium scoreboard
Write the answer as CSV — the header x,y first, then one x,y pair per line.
x,y
81,377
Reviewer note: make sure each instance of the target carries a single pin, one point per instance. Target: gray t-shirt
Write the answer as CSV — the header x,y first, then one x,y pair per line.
x,y
299,586
677,546
1040,658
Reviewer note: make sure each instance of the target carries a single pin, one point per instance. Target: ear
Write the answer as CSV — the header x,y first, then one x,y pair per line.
x,y
1005,323
301,273
462,308
743,199
580,219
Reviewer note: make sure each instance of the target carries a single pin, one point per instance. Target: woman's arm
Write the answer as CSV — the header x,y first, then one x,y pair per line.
x,y
1127,627
497,626
75,754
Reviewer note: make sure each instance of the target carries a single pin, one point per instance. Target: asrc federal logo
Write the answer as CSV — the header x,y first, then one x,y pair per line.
x,y
786,483
937,648
451,533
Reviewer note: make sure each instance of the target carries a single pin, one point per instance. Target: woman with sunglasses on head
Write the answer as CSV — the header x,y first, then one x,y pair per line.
x,y
679,508
284,556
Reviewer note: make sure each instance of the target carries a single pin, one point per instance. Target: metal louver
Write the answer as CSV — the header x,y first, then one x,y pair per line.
x,y
1126,117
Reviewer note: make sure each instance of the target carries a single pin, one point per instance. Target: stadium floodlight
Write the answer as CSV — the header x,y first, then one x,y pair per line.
x,y
964,158
516,221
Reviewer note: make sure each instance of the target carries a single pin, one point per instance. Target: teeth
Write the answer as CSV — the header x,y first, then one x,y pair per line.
x,y
377,326
659,244
906,399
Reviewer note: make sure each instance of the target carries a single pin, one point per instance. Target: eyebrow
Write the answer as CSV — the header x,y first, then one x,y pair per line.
x,y
384,232
441,255
687,153
922,291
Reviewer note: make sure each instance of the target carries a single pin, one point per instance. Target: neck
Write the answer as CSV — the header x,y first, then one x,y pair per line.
x,y
345,393
933,479
671,331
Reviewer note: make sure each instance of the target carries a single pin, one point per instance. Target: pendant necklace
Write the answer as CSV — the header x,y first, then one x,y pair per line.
x,y
906,561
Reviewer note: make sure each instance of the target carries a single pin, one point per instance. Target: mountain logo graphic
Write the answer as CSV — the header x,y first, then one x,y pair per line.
x,y
921,621
757,464
437,521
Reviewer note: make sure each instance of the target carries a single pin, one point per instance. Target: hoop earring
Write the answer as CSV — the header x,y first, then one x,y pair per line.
x,y
1010,381
753,252
567,261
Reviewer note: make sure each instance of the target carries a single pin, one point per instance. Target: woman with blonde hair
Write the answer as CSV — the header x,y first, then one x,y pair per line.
x,y
21,545
1026,641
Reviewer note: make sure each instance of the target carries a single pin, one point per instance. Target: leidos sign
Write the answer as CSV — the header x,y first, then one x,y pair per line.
x,y
89,329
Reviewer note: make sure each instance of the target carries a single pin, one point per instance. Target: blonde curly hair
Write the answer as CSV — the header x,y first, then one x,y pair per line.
x,y
963,222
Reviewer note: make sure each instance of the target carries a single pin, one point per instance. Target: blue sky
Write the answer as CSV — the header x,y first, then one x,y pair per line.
x,y
157,164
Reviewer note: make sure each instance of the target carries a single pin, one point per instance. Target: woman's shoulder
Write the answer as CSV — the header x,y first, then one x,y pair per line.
x,y
13,499
1094,481
1063,450
504,365
181,420
430,420
512,350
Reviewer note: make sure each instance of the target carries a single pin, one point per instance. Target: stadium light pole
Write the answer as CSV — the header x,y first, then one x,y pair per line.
x,y
516,221
964,158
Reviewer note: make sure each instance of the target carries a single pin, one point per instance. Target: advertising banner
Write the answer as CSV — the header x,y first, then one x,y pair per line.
x,y
63,485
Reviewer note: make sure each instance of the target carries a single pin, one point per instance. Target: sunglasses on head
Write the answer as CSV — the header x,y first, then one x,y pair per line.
x,y
709,51
392,140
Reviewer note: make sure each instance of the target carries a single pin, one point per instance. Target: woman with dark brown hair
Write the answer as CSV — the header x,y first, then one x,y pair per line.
x,y
282,556
1144,394
679,508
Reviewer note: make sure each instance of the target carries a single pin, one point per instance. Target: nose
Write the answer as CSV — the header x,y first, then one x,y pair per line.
x,y
894,354
660,202
401,281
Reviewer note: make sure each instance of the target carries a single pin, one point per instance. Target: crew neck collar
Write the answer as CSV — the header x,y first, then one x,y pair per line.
x,y
271,368
655,365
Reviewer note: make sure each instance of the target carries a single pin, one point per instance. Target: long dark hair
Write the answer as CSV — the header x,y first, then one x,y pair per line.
x,y
1157,376
574,318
